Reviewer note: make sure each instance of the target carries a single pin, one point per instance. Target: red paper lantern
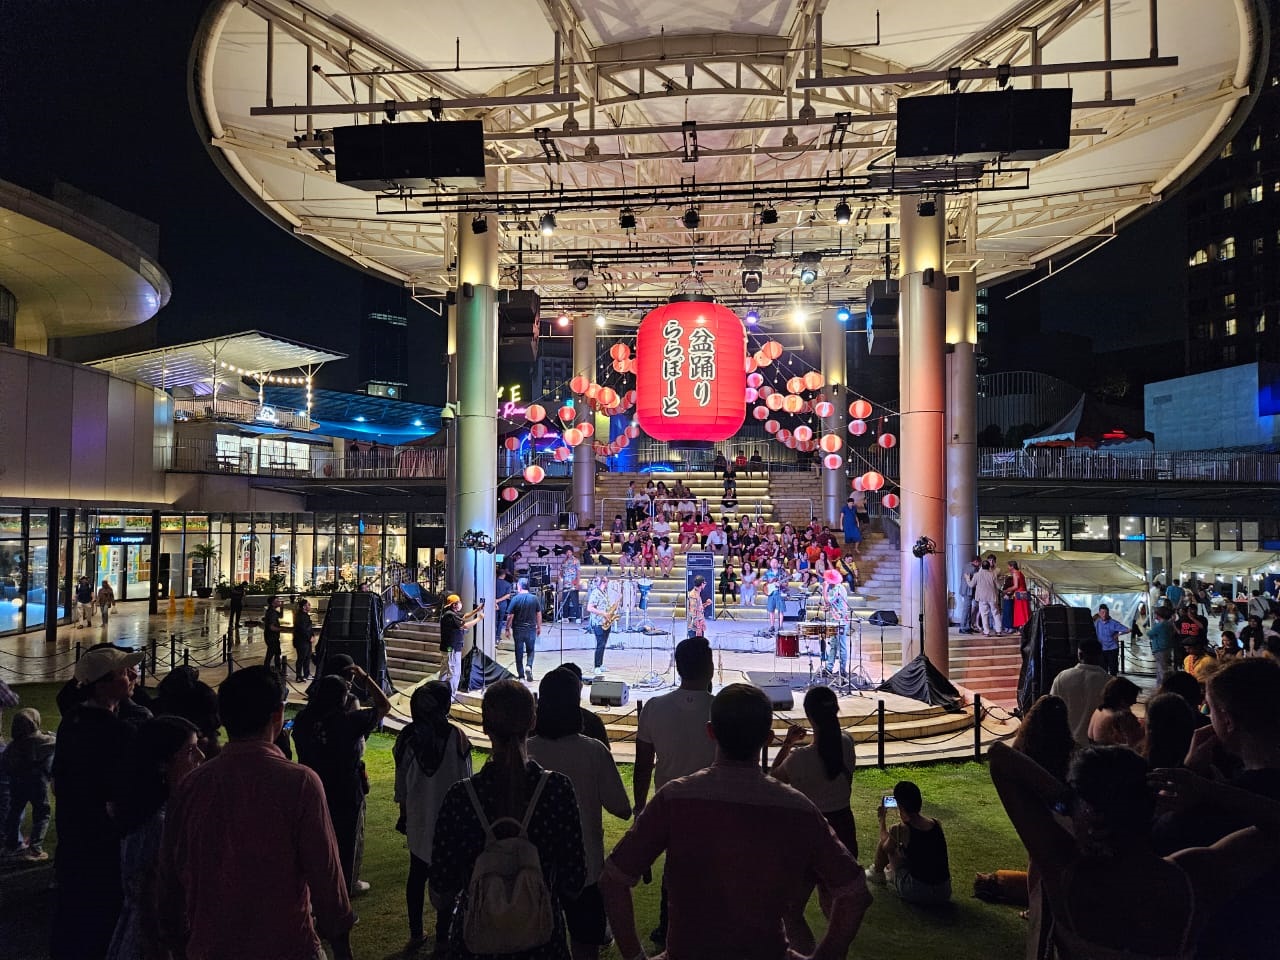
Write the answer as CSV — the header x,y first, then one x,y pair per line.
x,y
534,473
536,413
629,398
608,397
813,380
690,374
579,384
791,443
512,444
824,408
760,413
774,401
593,390
890,500
755,380
539,430
588,428
886,440
622,442
773,426
619,366
872,480
766,391
562,454
832,461
509,493
857,427
795,385
761,358
806,408
751,395
784,435
808,446
830,443
749,365
566,414
773,349
572,436
792,404
857,483
803,433
860,409
619,351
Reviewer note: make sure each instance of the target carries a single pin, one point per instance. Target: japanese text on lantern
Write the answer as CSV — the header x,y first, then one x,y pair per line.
x,y
672,361
702,363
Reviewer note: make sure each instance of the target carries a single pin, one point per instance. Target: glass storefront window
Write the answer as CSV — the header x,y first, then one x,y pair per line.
x,y
1180,529
1048,533
1228,534
990,533
1249,534
1206,535
1020,534
1090,528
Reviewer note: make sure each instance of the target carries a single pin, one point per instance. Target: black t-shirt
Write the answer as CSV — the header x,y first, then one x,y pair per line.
x,y
92,751
301,627
334,749
451,631
271,625
523,610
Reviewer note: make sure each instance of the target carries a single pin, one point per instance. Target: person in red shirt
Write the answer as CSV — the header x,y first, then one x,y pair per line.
x,y
249,854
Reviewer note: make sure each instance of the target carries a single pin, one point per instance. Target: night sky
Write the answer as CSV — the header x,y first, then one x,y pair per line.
x,y
95,94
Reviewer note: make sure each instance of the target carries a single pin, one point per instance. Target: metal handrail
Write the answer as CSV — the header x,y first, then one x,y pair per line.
x,y
201,455
537,503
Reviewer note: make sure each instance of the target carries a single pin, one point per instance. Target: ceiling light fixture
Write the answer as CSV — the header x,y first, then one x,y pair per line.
x,y
843,213
547,224
691,219
843,314
479,225
562,320
627,219
769,216
752,317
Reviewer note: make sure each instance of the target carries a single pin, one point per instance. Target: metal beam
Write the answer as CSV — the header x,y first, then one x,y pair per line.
x,y
989,73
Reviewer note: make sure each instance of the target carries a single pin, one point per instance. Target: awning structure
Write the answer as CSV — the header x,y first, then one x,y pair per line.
x,y
1233,563
1091,423
196,364
1076,571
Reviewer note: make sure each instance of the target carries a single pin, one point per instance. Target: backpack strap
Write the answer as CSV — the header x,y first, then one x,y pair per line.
x,y
484,821
533,801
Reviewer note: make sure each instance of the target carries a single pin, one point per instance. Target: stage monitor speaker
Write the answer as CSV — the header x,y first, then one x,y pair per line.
x,y
539,574
415,156
883,618
780,696
610,693
979,127
793,608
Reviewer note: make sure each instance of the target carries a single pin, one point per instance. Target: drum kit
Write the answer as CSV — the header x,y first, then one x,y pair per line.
x,y
820,627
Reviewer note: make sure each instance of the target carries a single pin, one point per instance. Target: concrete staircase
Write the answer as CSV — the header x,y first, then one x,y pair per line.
x,y
413,652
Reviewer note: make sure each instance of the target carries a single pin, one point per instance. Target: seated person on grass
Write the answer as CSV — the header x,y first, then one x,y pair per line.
x,y
912,855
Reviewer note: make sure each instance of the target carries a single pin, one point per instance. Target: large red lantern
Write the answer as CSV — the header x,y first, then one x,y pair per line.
x,y
830,443
872,480
860,409
886,440
813,380
690,371
795,385
572,436
566,414
824,408
588,428
792,403
534,473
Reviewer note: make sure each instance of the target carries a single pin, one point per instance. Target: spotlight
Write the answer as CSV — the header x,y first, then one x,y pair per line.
x,y
580,282
581,271
479,225
790,140
600,320
751,280
752,317
926,208
768,216
562,320
547,224
626,219
843,314
809,263
843,213
691,219
798,316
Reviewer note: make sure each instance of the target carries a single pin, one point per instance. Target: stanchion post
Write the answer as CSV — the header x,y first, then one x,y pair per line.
x,y
77,651
173,651
186,656
977,727
880,733
153,656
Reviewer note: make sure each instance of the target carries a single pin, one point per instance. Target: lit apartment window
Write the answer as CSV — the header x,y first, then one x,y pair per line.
x,y
1227,249
1226,200
1199,257
1260,325
1255,193
1227,150
1229,327
1228,300
1259,246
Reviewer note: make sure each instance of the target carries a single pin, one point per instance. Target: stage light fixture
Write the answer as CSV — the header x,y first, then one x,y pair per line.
x,y
843,314
751,280
581,272
768,216
626,219
798,316
843,213
600,320
562,320
479,225
691,219
752,317
547,224
809,263
926,208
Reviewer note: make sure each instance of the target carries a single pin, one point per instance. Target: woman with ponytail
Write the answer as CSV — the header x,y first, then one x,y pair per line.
x,y
823,772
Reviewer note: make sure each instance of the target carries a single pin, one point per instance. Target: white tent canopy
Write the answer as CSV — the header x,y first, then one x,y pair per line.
x,y
1082,579
1232,563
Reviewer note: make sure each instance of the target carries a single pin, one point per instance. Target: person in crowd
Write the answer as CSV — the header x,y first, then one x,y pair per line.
x,y
966,606
666,556
1016,590
504,589
823,772
1162,637
1113,723
836,596
164,752
849,522
1231,618
303,630
329,734
235,608
271,628
1092,869
672,730
570,583
1189,625
1228,645
93,742
1045,735
593,542
987,593
700,821
27,766
1081,687
630,553
431,755
695,608
592,725
749,580
912,854
1251,636
1189,689
558,744
183,694
1173,593
632,504
1199,659
775,585
601,609
453,637
524,623
106,600
84,602
649,553
1170,724
728,584
688,533
717,539
510,785
617,532
1257,605
249,864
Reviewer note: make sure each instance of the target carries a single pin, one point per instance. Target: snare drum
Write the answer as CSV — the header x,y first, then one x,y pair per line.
x,y
814,629
787,644
831,629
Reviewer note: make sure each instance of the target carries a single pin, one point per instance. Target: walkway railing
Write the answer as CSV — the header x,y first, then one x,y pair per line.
x,y
1071,463
747,507
536,503
199,455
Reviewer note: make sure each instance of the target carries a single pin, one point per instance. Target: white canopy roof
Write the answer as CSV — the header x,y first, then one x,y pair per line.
x,y
1235,563
1076,571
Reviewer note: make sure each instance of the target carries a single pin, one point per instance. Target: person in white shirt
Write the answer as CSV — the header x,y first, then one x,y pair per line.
x,y
673,728
986,591
1081,687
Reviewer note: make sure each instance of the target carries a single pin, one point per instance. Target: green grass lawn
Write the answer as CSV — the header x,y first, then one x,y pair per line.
x,y
960,794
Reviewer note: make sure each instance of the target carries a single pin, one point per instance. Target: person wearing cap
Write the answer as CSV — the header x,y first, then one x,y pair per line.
x,y
453,629
271,632
93,743
837,598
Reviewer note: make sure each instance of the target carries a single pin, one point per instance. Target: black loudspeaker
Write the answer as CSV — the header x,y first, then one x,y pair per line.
x,y
780,696
882,318
416,156
978,127
479,670
884,618
1049,642
353,616
609,693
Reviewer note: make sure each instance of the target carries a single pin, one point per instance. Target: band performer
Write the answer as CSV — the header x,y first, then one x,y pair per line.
x,y
602,612
695,609
837,601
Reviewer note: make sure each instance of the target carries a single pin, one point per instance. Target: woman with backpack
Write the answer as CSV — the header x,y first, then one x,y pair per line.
x,y
431,755
510,905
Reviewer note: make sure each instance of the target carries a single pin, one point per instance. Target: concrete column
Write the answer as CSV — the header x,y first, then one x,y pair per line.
x,y
474,501
962,432
922,380
584,458
835,487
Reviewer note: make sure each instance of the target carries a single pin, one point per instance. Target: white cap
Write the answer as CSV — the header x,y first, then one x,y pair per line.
x,y
95,664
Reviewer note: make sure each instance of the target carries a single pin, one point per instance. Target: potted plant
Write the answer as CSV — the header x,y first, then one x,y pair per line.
x,y
203,555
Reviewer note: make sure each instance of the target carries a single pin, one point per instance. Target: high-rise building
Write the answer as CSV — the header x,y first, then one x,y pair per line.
x,y
384,355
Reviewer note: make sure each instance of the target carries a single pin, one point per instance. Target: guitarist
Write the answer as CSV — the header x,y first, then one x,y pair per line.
x,y
602,612
453,629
